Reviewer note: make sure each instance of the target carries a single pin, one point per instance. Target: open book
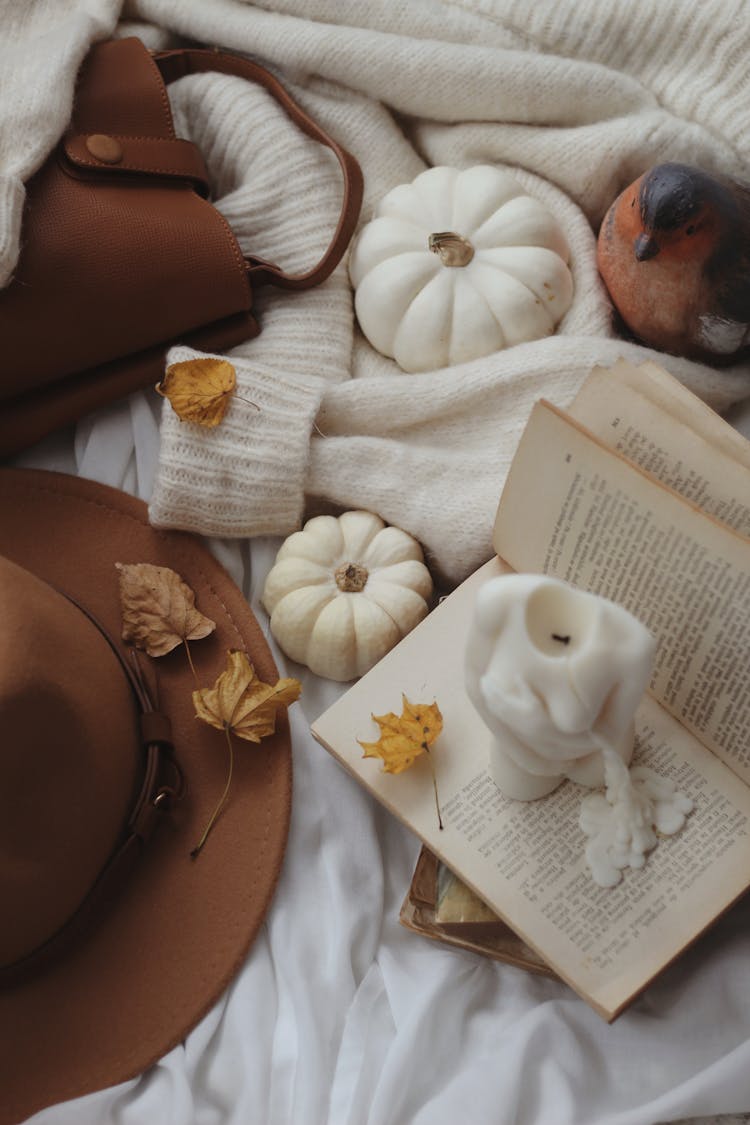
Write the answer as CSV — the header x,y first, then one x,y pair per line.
x,y
638,493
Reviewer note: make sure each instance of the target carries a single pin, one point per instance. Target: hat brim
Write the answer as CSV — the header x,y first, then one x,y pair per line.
x,y
156,962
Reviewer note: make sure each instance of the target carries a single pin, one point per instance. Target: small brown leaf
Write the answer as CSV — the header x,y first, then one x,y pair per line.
x,y
404,737
199,389
241,703
158,609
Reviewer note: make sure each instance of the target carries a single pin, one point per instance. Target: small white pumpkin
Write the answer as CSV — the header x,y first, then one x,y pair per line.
x,y
457,265
343,591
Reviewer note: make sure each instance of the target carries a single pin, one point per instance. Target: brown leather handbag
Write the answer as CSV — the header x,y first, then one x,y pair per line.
x,y
123,255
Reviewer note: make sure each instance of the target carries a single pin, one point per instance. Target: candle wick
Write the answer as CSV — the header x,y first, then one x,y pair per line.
x,y
562,640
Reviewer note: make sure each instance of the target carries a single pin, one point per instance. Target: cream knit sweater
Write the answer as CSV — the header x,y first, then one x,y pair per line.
x,y
577,97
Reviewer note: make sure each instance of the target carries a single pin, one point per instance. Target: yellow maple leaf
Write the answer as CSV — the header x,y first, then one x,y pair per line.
x,y
158,609
404,737
199,389
239,702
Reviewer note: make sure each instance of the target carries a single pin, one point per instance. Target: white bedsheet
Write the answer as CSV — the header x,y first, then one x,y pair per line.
x,y
342,1017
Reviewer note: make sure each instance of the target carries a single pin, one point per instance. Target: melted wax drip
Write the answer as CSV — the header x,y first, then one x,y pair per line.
x,y
623,822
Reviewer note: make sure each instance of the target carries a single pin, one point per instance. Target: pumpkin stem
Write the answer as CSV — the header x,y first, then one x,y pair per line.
x,y
351,577
453,249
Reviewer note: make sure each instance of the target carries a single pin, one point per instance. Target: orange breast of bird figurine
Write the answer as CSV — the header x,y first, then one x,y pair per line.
x,y
674,253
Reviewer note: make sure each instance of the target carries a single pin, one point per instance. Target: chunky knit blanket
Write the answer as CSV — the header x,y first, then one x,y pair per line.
x,y
577,98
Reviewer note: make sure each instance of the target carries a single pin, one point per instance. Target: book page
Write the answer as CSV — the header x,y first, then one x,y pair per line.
x,y
670,396
573,509
526,860
645,414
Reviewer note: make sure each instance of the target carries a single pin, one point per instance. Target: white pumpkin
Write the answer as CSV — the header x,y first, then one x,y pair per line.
x,y
343,591
457,265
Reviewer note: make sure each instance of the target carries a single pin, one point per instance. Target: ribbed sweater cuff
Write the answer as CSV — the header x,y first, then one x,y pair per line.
x,y
245,477
12,195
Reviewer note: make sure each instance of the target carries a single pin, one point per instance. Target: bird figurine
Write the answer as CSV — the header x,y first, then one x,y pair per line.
x,y
674,253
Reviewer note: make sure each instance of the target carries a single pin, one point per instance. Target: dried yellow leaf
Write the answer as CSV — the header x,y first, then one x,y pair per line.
x,y
241,703
404,737
158,609
199,389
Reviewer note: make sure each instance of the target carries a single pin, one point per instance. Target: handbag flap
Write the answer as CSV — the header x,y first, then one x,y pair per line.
x,y
120,90
114,154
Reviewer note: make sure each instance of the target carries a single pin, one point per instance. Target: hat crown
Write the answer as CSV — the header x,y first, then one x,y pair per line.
x,y
70,758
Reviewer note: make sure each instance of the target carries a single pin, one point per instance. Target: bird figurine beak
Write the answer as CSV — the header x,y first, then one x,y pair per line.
x,y
645,247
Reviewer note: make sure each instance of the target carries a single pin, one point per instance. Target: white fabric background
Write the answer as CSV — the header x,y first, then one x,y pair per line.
x,y
342,1017
339,1016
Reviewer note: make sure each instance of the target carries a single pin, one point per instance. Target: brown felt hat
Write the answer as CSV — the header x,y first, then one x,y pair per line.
x,y
112,948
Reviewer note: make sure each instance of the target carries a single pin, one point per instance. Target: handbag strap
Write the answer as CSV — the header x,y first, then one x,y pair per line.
x,y
177,63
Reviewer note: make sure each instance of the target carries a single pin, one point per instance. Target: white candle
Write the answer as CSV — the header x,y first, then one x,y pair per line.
x,y
556,674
